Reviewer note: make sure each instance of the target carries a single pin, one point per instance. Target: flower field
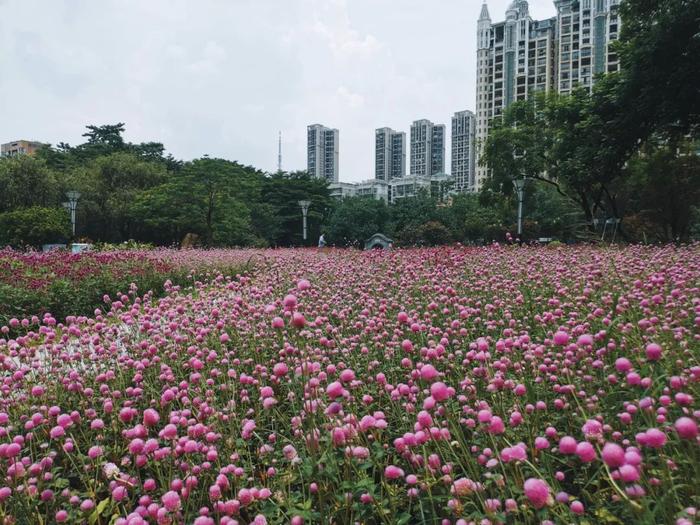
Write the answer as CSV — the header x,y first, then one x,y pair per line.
x,y
32,283
450,385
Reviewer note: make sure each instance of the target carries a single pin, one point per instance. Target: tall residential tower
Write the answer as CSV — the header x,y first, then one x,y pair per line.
x,y
322,152
463,157
521,56
427,148
390,154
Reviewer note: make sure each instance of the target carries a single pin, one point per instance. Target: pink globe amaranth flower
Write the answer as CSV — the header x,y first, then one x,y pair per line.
x,y
289,301
298,320
576,507
334,390
653,352
277,323
280,369
428,373
561,338
541,443
57,432
440,391
171,501
150,417
119,493
585,451
537,491
406,345
303,284
592,428
585,340
61,516
613,455
629,473
655,438
393,472
686,428
462,487
496,425
94,452
567,445
622,364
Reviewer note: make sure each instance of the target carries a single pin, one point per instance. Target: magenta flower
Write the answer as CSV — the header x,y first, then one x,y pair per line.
x,y
537,491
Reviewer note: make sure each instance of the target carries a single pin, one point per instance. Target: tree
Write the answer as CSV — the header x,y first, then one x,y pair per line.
x,y
282,192
208,196
356,219
659,49
662,190
563,141
109,186
34,226
26,181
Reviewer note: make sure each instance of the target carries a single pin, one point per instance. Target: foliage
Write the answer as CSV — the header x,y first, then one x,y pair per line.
x,y
26,181
356,219
659,49
282,192
662,189
34,226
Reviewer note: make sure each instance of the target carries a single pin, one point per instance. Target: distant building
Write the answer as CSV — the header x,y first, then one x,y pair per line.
x,y
520,56
427,148
322,152
377,189
437,150
438,185
19,147
389,154
463,156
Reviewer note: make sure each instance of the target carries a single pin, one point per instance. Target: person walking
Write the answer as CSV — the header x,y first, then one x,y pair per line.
x,y
322,241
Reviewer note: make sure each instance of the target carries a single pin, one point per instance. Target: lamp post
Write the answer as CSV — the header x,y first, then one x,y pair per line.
x,y
520,189
73,197
304,211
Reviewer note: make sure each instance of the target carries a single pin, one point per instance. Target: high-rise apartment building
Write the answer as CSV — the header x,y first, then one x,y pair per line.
x,y
463,157
521,56
437,150
19,147
585,29
427,148
390,154
322,152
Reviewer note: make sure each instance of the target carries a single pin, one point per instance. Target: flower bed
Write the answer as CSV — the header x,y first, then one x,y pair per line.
x,y
450,385
32,283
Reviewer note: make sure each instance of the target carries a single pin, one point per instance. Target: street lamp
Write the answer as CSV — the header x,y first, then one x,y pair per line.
x,y
72,204
520,189
304,211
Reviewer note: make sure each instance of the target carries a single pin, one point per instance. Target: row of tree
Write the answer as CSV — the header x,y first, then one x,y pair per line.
x,y
133,191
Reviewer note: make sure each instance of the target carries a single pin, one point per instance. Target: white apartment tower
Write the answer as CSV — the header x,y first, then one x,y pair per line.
x,y
389,155
463,155
427,148
514,59
322,152
521,56
585,29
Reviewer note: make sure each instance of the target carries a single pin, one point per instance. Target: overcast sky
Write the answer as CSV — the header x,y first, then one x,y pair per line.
x,y
222,77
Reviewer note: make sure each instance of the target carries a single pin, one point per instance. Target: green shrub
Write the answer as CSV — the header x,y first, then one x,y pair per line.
x,y
34,226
